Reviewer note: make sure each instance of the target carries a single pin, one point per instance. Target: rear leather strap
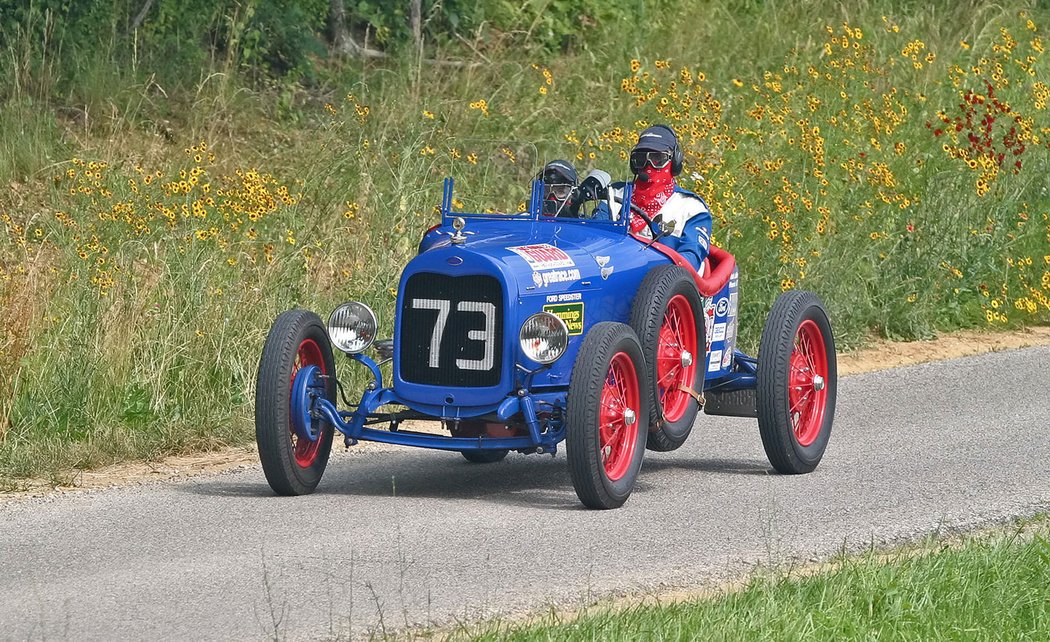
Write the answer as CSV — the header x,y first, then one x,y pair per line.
x,y
699,396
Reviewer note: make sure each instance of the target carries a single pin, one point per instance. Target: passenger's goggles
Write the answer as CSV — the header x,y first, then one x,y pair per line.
x,y
642,157
560,191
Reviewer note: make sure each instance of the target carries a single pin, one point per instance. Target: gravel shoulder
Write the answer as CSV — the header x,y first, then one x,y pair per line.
x,y
879,355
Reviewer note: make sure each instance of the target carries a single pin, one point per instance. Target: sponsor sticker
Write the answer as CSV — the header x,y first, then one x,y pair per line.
x,y
570,313
557,276
726,358
545,278
709,322
720,332
722,307
732,304
715,361
543,256
562,297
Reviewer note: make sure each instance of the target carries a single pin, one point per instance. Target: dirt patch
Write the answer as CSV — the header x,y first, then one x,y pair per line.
x,y
883,355
880,355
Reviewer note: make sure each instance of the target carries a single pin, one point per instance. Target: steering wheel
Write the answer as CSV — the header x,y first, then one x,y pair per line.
x,y
645,217
642,213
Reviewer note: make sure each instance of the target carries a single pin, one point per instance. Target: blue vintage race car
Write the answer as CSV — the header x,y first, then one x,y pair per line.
x,y
518,332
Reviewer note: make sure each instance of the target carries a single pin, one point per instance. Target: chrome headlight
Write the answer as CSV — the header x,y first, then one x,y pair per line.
x,y
352,327
544,338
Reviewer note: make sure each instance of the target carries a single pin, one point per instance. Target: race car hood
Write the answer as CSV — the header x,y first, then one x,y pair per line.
x,y
461,304
535,256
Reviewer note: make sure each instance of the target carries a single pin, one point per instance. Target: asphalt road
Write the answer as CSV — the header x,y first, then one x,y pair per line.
x,y
413,536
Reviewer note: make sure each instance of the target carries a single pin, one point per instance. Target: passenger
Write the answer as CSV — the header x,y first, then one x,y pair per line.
x,y
559,188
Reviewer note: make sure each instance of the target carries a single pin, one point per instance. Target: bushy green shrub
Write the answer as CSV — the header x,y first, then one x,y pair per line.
x,y
542,24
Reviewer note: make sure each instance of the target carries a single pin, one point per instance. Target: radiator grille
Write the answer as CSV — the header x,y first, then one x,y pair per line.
x,y
452,331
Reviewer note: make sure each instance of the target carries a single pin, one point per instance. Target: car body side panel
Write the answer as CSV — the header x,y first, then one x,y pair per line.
x,y
720,316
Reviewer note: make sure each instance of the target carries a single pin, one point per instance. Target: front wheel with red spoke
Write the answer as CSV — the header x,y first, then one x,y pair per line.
x,y
797,382
607,416
296,365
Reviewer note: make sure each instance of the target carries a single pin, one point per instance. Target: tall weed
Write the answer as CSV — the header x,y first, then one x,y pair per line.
x,y
139,278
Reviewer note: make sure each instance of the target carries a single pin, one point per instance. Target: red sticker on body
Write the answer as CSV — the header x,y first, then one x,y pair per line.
x,y
543,256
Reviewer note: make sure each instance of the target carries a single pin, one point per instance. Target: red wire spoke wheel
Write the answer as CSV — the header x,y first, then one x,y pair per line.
x,y
807,392
664,315
619,406
797,383
606,416
292,462
309,354
676,359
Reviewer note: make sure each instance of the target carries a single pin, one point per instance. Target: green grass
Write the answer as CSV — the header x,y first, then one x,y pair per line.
x,y
987,588
125,334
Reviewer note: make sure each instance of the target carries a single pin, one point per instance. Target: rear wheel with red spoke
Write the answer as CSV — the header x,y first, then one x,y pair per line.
x,y
797,383
664,316
606,416
293,445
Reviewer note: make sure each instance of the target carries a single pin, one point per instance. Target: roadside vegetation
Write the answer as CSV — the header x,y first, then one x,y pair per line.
x,y
176,175
985,588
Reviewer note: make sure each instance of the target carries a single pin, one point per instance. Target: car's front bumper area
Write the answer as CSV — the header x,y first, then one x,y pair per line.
x,y
538,411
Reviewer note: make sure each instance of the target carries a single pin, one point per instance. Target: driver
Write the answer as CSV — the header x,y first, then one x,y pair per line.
x,y
559,187
655,160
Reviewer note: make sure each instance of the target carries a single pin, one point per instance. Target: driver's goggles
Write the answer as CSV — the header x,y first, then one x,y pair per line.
x,y
560,191
656,160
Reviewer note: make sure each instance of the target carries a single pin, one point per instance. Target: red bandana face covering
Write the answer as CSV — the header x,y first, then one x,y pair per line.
x,y
651,195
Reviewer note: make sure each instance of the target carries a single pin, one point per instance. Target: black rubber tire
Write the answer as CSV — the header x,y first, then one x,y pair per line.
x,y
785,452
484,456
274,434
583,442
660,285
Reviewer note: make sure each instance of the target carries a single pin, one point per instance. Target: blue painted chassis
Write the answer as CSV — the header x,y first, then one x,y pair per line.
x,y
310,408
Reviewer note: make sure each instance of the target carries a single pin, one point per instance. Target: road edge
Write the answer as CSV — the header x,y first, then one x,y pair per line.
x,y
877,356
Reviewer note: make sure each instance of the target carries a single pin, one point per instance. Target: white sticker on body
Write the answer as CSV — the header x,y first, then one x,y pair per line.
x,y
715,361
720,332
559,276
